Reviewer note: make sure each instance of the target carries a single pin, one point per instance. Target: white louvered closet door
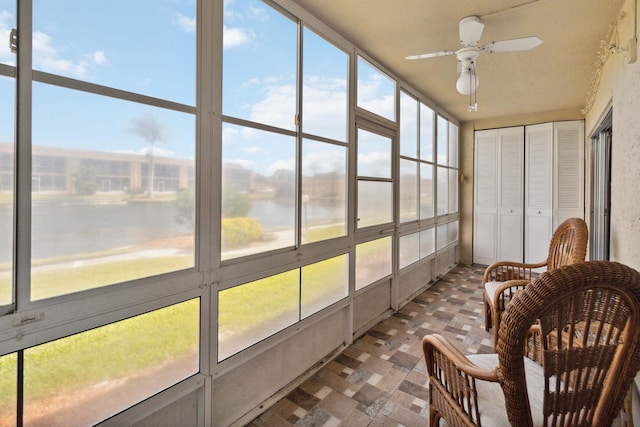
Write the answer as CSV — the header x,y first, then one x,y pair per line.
x,y
568,156
538,191
510,194
485,193
527,180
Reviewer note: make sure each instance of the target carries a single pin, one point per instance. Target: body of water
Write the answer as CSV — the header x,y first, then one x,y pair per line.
x,y
65,229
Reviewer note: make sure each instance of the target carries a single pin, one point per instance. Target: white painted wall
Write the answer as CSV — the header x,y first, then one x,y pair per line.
x,y
620,88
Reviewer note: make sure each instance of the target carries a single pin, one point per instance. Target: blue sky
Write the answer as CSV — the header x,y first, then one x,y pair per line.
x,y
150,49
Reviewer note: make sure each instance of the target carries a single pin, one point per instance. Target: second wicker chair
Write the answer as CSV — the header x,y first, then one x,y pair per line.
x,y
503,279
588,334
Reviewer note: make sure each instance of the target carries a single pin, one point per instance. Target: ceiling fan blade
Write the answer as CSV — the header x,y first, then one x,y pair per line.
x,y
512,45
470,30
431,55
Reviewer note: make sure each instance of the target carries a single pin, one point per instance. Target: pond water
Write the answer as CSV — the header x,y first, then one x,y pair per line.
x,y
60,229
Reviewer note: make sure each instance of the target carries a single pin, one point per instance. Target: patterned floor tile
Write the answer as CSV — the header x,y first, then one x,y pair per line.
x,y
380,380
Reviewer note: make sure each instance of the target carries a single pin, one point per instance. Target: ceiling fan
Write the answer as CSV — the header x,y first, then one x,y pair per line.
x,y
470,29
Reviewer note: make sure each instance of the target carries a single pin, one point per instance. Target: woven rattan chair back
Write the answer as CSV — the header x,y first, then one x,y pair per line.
x,y
589,331
568,244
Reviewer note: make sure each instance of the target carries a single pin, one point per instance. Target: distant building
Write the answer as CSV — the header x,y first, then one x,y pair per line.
x,y
56,170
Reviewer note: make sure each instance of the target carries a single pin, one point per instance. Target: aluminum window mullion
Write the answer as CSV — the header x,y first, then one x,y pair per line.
x,y
69,83
298,161
22,190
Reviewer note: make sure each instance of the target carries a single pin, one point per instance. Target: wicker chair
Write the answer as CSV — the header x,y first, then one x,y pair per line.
x,y
587,331
503,279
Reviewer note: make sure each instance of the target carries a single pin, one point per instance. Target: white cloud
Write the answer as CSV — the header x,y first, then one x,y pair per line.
x,y
234,134
289,165
47,58
277,108
99,57
185,23
374,164
247,164
257,13
370,98
254,150
323,161
228,134
160,152
7,20
233,37
325,102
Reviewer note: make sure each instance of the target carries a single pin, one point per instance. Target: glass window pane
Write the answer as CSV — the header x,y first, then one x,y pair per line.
x,y
112,191
7,127
324,283
453,145
373,261
409,249
453,190
8,389
100,43
408,190
96,374
408,125
259,66
7,21
376,91
251,312
442,236
443,141
452,232
443,190
324,91
427,242
375,200
426,133
374,154
258,191
426,191
324,207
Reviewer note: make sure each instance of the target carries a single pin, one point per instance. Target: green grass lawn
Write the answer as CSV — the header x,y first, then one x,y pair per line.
x,y
118,350
140,343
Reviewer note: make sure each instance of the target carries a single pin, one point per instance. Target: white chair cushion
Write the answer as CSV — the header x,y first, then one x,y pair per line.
x,y
491,399
491,288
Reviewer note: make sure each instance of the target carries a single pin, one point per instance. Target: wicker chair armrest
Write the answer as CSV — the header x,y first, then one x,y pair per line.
x,y
502,271
439,350
506,291
452,380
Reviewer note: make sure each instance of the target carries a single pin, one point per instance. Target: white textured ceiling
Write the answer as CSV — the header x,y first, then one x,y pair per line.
x,y
554,76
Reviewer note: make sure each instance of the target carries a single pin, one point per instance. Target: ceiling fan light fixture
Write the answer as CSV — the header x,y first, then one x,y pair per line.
x,y
468,81
470,29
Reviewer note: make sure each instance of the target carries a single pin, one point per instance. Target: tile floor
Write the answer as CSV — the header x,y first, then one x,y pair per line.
x,y
380,380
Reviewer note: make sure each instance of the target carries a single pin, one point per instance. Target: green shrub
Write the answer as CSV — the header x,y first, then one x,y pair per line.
x,y
186,207
234,203
240,231
85,182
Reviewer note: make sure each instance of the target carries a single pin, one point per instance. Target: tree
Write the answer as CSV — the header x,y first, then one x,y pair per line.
x,y
234,203
186,207
84,181
151,130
